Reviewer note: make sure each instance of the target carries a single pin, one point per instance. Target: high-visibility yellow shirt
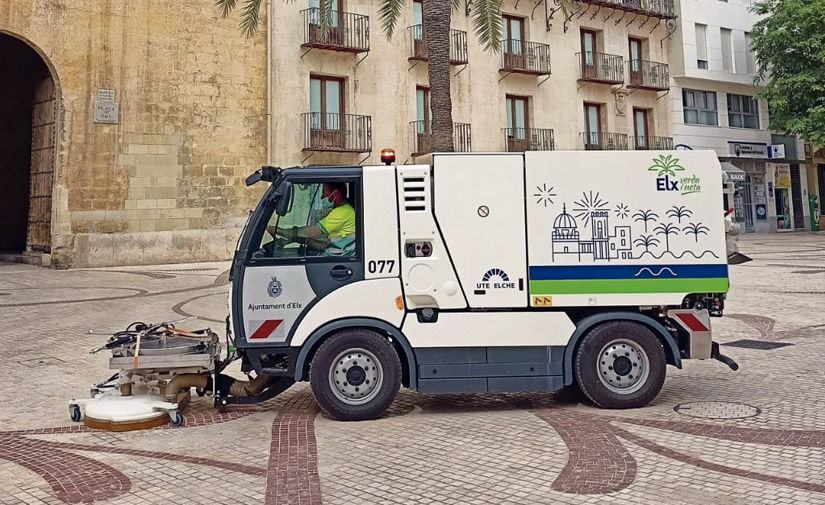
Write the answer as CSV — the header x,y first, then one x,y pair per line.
x,y
339,227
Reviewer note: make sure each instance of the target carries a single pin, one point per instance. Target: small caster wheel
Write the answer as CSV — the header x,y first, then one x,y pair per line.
x,y
200,392
176,417
74,412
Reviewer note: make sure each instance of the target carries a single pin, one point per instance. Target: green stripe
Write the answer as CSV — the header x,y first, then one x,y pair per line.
x,y
622,286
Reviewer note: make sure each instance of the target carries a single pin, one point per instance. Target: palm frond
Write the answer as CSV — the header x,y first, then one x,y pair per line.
x,y
487,22
456,4
226,6
390,12
250,16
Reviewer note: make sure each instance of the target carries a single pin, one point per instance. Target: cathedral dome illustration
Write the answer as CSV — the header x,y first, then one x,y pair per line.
x,y
565,220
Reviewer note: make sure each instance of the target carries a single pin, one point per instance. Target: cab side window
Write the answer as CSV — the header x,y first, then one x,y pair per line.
x,y
321,222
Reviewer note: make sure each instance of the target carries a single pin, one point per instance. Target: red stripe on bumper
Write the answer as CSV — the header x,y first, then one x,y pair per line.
x,y
692,322
266,329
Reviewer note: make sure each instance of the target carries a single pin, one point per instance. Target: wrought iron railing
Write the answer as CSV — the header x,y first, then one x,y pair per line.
x,y
645,143
337,132
529,139
346,31
525,57
422,137
418,45
649,75
601,141
600,67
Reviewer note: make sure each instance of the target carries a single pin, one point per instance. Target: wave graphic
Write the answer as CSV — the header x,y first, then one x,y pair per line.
x,y
657,274
705,253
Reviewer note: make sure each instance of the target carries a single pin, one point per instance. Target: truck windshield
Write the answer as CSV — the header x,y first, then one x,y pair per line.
x,y
308,208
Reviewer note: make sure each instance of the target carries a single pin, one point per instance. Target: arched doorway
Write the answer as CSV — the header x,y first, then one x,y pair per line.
x,y
28,138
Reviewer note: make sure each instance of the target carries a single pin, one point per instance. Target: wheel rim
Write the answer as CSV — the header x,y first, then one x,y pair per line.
x,y
623,366
355,376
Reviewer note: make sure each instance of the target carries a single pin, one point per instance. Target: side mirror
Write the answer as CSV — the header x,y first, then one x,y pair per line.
x,y
254,178
284,196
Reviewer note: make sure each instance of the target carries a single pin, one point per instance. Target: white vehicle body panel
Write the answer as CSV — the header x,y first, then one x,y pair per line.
x,y
428,281
273,297
479,203
490,329
381,251
374,299
624,228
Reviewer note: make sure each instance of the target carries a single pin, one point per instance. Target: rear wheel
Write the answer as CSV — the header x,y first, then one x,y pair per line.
x,y
620,365
355,375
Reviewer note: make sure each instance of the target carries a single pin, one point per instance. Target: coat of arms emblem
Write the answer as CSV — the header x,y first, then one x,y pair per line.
x,y
274,289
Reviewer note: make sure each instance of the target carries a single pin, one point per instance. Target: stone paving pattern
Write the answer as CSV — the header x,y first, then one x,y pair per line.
x,y
455,449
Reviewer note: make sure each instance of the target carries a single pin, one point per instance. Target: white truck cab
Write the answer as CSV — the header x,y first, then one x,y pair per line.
x,y
488,272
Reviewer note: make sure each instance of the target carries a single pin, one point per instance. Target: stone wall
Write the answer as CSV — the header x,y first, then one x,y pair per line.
x,y
166,182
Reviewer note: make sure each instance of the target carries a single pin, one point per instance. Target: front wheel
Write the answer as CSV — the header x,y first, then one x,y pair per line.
x,y
355,375
620,365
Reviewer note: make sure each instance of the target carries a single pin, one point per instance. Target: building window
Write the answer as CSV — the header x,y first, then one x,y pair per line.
x,y
592,124
423,114
743,111
517,116
727,50
640,128
513,33
701,46
750,58
326,102
699,107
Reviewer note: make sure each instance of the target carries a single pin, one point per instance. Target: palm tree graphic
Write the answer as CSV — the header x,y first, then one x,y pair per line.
x,y
667,230
666,165
645,215
646,241
696,229
679,212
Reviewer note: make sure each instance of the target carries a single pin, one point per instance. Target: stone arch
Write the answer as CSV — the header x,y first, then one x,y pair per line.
x,y
29,148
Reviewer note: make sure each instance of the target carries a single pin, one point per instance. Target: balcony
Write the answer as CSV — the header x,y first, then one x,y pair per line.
x,y
600,141
340,133
645,143
655,8
601,68
422,137
529,139
649,75
522,57
348,32
418,45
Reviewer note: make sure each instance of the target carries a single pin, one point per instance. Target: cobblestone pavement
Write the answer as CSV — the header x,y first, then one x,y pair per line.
x,y
712,436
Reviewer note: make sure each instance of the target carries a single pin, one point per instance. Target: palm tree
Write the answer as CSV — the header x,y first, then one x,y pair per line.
x,y
437,16
696,229
645,215
646,241
679,212
667,230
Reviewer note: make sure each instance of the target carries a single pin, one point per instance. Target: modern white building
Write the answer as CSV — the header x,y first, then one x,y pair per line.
x,y
713,103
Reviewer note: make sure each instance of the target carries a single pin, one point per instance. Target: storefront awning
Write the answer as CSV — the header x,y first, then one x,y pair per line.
x,y
732,172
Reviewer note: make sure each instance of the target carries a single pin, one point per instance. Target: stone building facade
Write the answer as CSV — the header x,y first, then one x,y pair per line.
x,y
134,124
595,79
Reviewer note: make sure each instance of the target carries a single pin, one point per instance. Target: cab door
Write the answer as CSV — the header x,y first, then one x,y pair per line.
x,y
277,278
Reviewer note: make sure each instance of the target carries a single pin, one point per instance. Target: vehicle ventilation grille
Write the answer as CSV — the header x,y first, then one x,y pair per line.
x,y
415,194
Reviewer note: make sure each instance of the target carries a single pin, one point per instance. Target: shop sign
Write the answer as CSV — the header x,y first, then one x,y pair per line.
x,y
748,149
777,151
783,176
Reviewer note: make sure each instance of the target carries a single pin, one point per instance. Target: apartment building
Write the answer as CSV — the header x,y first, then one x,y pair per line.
x,y
713,106
594,79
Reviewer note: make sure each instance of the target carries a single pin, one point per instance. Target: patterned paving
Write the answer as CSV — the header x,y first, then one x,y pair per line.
x,y
711,437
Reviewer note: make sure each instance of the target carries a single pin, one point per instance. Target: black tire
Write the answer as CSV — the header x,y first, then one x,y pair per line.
x,y
324,360
587,371
177,419
74,412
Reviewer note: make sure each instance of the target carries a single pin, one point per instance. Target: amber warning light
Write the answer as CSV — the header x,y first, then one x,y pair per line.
x,y
388,156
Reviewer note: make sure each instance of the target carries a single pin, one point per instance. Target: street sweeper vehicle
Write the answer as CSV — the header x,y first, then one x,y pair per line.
x,y
477,273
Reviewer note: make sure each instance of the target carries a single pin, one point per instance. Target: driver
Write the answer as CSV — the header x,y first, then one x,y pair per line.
x,y
333,235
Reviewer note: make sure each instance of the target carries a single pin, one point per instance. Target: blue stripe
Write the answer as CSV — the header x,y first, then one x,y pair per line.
x,y
550,273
